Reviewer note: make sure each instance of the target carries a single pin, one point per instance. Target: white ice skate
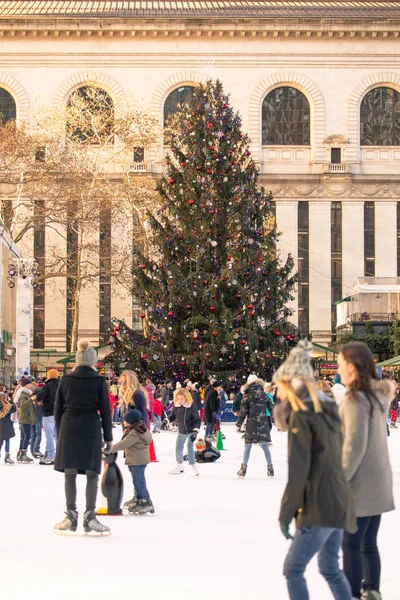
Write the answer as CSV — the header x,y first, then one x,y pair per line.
x,y
178,470
195,470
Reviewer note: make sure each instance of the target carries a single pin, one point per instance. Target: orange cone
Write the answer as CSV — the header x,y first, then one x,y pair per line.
x,y
152,451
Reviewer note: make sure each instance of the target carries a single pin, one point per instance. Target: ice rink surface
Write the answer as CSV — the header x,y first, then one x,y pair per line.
x,y
213,537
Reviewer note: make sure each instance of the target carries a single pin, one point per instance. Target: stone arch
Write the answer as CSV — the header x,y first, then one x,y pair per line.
x,y
317,108
19,94
171,83
353,108
108,83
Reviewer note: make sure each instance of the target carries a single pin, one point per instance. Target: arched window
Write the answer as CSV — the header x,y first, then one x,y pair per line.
x,y
285,118
90,115
181,95
380,118
8,109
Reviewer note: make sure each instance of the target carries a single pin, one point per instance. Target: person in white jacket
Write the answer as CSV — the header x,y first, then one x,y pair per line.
x,y
338,389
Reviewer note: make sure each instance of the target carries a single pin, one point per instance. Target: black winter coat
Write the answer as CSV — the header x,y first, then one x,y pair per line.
x,y
6,427
47,395
196,399
81,395
317,493
255,403
187,417
211,405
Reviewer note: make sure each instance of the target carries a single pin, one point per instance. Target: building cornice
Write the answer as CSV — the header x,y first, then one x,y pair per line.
x,y
84,28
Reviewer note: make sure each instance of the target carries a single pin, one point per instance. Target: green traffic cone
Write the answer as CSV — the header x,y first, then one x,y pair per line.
x,y
219,444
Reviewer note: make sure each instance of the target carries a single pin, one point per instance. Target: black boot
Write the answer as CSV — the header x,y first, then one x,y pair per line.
x,y
69,524
92,525
242,471
23,458
142,507
271,470
130,503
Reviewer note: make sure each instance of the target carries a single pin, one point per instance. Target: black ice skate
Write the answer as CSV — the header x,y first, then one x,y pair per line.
x,y
69,524
131,502
92,526
242,471
8,460
23,458
38,455
270,471
142,507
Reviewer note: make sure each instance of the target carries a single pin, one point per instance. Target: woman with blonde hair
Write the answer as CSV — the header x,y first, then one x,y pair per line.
x,y
317,494
187,416
131,395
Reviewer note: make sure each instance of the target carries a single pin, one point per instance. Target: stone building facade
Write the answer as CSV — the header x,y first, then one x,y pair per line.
x,y
317,85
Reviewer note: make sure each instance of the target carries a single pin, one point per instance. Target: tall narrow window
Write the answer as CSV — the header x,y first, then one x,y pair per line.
x,y
105,274
398,239
380,118
336,258
39,292
369,239
90,115
303,268
285,118
8,109
179,96
72,271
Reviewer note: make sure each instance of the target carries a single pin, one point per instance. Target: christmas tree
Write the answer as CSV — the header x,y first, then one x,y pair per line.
x,y
213,291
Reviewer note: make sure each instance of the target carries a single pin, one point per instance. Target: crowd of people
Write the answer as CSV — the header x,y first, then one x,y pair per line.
x,y
339,476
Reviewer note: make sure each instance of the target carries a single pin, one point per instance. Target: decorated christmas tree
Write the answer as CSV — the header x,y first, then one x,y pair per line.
x,y
213,290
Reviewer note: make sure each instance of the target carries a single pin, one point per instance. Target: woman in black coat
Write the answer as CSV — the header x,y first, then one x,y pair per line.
x,y
81,396
211,406
7,408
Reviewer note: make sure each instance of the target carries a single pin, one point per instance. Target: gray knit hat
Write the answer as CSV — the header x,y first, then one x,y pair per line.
x,y
86,355
297,364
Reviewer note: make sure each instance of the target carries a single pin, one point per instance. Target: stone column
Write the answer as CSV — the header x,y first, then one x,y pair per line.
x,y
286,219
352,243
320,269
386,239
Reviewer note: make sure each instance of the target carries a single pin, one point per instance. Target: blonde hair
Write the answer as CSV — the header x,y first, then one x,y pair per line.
x,y
132,386
295,402
183,392
324,387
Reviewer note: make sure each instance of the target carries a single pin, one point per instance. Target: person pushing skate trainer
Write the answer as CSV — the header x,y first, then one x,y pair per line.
x,y
82,411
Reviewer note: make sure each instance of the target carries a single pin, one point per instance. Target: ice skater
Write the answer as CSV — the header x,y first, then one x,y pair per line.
x,y
187,417
135,442
254,407
82,410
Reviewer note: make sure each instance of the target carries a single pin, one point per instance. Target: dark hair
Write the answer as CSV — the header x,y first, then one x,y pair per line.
x,y
360,356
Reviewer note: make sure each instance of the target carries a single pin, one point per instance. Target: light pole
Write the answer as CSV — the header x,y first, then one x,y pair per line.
x,y
23,272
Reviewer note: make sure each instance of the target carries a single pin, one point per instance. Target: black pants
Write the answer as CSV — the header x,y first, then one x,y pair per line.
x,y
361,560
91,489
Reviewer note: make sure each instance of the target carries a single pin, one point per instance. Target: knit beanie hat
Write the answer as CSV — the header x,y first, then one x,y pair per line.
x,y
337,378
200,445
86,355
133,416
252,378
297,364
52,374
24,381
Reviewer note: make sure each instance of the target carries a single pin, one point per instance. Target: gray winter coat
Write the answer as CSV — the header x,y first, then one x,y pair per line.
x,y
135,442
365,452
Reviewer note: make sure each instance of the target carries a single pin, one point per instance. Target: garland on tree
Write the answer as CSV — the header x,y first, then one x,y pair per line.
x,y
214,292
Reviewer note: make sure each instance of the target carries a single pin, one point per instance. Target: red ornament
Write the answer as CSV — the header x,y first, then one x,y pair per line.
x,y
114,334
225,105
277,333
191,202
249,306
143,266
182,164
209,171
211,147
209,125
170,313
143,356
117,328
243,342
267,356
109,343
188,307
212,308
248,152
171,181
215,333
142,315
252,313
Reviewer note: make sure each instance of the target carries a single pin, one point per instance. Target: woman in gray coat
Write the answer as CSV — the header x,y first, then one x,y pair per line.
x,y
366,464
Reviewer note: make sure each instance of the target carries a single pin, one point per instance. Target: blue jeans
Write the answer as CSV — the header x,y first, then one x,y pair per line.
x,y
7,445
50,433
139,482
209,429
248,447
361,560
306,543
157,423
26,432
36,436
180,442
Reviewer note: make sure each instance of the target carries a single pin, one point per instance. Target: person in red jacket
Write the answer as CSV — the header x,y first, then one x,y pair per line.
x,y
113,400
158,410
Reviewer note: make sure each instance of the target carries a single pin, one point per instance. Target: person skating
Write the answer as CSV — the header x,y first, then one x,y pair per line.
x,y
366,464
254,406
187,417
131,395
211,406
205,452
82,411
26,418
45,398
394,411
158,411
7,408
317,494
135,442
